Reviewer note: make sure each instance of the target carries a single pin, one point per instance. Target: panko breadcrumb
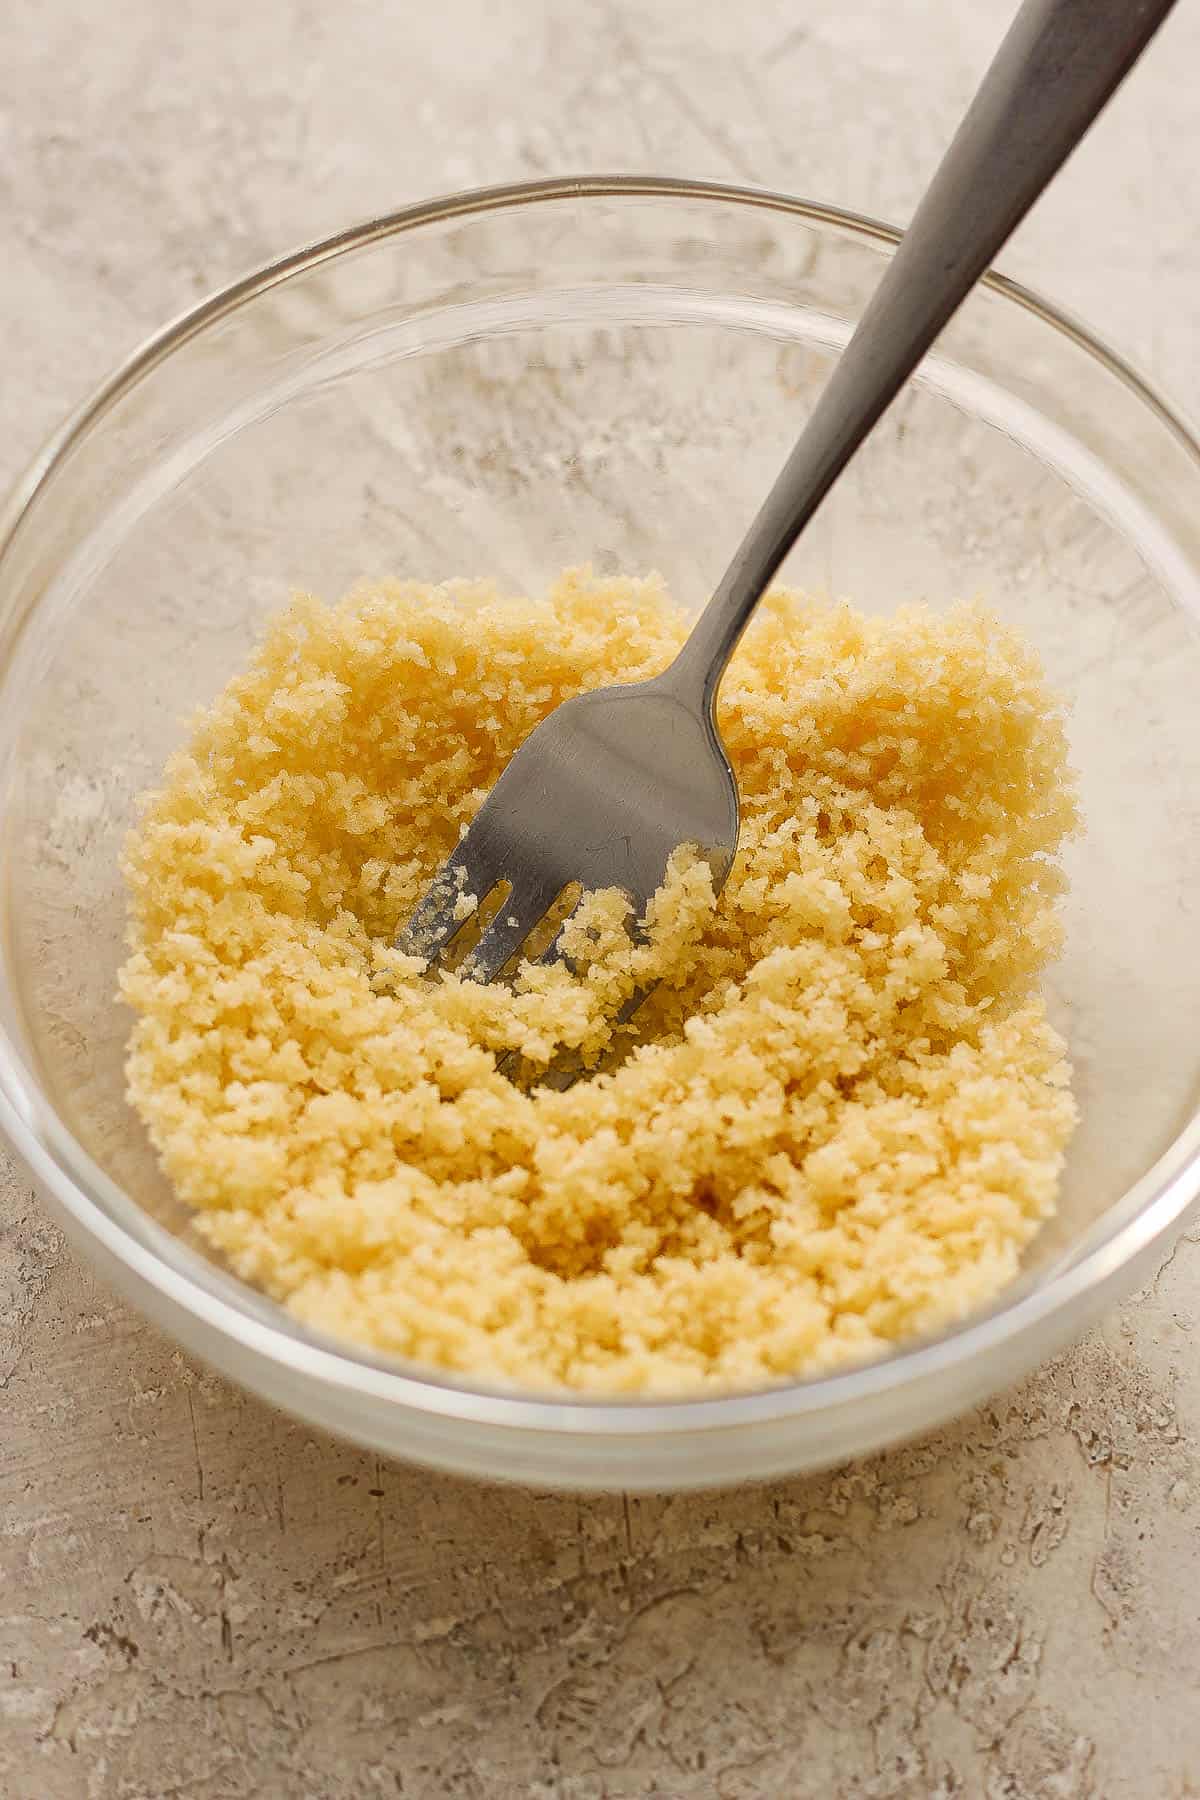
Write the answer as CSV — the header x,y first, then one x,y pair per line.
x,y
846,1112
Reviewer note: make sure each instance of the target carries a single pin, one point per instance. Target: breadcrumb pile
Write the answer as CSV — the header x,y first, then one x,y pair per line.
x,y
844,1114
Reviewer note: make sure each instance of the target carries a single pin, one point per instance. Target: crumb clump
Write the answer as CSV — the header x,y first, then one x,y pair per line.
x,y
847,1113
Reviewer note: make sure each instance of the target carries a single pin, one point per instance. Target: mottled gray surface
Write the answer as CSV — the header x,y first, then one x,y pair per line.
x,y
196,1597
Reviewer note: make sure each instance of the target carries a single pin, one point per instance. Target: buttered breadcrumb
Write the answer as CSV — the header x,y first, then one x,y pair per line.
x,y
849,1114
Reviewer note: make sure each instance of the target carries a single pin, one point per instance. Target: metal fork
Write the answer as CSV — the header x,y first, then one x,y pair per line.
x,y
614,781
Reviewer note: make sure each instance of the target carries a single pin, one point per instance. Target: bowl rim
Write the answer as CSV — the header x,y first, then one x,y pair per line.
x,y
1150,1212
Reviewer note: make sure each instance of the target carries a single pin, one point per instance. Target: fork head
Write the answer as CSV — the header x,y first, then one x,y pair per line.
x,y
601,794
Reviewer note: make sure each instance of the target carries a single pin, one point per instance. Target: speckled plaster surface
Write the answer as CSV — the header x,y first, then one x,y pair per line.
x,y
200,1599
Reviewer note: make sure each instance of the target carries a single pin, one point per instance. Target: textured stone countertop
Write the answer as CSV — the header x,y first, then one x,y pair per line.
x,y
199,1599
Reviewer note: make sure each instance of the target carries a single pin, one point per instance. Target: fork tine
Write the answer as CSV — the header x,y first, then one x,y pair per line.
x,y
436,919
506,933
553,953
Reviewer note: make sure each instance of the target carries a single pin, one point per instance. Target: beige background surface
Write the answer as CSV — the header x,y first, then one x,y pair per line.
x,y
197,1598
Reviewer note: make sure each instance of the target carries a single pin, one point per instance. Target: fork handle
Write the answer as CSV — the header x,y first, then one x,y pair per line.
x,y
1059,63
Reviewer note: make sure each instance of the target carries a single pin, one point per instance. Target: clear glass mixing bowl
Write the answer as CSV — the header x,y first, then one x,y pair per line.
x,y
501,384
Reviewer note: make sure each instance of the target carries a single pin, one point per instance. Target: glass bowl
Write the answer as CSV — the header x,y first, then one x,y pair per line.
x,y
504,383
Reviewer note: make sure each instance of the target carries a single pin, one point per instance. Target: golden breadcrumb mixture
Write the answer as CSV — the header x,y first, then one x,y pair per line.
x,y
845,1113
